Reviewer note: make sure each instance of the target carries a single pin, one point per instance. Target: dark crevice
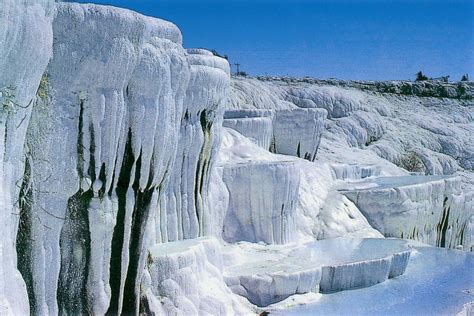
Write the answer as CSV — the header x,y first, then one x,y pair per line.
x,y
111,189
461,238
145,306
140,217
118,235
272,145
103,179
298,150
91,170
24,238
75,256
443,225
139,221
186,115
5,139
75,242
80,142
203,164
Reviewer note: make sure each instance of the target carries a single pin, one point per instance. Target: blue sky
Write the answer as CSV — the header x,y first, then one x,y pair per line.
x,y
367,39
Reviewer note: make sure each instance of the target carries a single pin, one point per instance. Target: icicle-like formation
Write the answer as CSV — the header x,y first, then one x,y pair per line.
x,y
103,143
25,48
184,211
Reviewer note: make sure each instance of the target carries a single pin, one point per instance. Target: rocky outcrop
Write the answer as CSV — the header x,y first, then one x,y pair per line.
x,y
261,190
366,126
102,141
297,132
426,88
262,201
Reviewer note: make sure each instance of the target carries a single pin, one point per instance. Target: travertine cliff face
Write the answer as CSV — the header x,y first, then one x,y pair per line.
x,y
184,209
122,128
25,48
103,140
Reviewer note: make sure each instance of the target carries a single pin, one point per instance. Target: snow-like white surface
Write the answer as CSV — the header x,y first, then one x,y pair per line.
x,y
268,274
355,171
123,152
114,147
366,126
262,201
320,211
130,74
257,125
436,282
184,210
294,132
323,212
263,192
186,278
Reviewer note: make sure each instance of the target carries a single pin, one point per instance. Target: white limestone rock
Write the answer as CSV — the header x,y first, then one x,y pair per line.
x,y
262,201
186,278
269,274
432,209
372,127
184,211
25,48
434,283
257,125
263,191
102,143
355,171
320,211
297,132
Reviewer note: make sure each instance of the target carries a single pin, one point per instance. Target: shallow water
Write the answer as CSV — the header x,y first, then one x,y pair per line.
x,y
437,281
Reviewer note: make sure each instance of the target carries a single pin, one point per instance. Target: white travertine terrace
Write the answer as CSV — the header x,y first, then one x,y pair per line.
x,y
141,177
